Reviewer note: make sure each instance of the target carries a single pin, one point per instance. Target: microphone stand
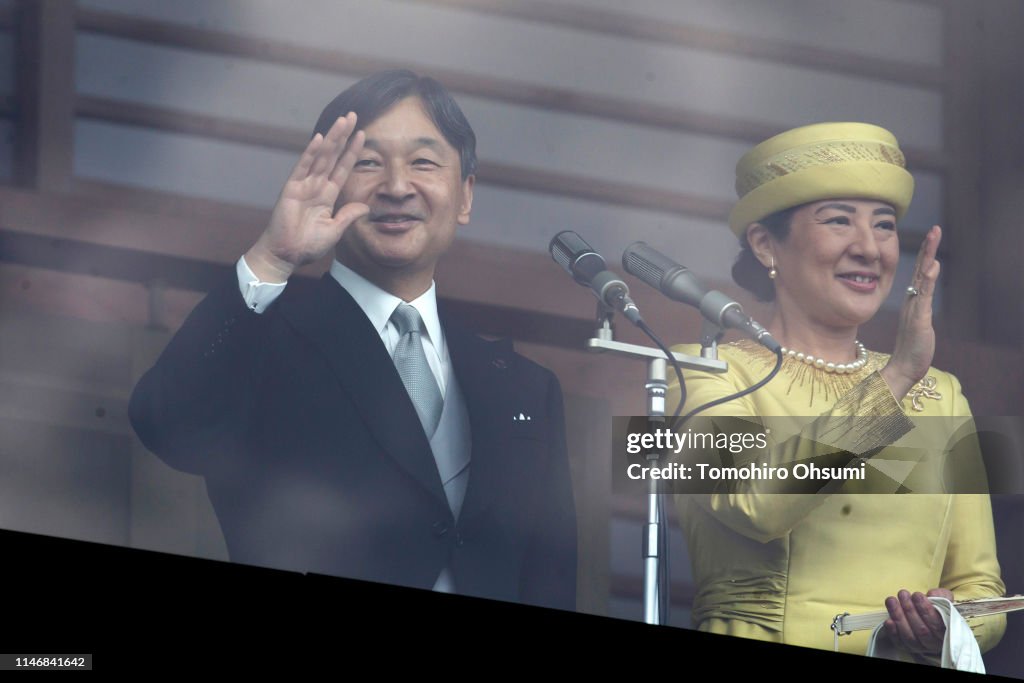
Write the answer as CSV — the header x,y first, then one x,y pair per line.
x,y
656,384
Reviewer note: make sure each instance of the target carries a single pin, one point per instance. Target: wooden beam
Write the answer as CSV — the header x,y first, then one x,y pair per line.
x,y
499,175
35,291
605,191
498,89
45,92
490,172
216,233
30,290
194,229
191,123
629,25
149,269
116,263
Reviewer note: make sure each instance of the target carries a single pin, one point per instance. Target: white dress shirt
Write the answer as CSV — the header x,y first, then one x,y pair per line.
x,y
377,304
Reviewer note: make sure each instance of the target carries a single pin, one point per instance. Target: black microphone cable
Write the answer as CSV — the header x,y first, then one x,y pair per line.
x,y
679,422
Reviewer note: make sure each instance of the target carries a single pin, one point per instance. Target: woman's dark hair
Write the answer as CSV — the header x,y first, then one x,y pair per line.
x,y
748,272
375,94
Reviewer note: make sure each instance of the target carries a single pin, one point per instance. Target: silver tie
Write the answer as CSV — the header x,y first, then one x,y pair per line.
x,y
412,367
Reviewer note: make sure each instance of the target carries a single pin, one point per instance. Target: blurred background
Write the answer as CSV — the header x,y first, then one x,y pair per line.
x,y
142,144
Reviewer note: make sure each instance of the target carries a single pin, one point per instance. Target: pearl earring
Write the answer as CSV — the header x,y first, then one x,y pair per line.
x,y
771,271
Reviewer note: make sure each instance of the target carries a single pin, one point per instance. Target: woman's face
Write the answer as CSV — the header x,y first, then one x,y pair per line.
x,y
837,264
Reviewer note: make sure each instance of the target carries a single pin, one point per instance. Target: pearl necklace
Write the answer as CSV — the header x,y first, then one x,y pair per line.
x,y
822,364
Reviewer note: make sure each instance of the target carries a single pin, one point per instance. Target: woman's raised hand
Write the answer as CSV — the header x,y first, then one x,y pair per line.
x,y
915,340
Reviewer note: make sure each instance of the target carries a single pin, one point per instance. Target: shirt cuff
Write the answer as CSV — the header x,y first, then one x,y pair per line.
x,y
258,295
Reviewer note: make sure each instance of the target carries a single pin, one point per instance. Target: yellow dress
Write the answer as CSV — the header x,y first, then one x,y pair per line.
x,y
779,567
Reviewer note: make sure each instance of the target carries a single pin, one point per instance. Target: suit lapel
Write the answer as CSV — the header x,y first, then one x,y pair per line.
x,y
483,370
331,319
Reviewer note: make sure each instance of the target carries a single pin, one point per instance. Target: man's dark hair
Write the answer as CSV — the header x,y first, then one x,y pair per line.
x,y
375,94
748,272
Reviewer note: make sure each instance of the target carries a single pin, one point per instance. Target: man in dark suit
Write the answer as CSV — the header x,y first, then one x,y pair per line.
x,y
347,426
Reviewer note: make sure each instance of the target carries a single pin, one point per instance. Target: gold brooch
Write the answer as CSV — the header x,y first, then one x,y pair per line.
x,y
923,389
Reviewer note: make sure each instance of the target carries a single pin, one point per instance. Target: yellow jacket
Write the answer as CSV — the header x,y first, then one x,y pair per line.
x,y
779,567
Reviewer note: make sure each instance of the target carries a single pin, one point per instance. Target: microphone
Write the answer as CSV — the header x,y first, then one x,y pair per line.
x,y
588,268
678,283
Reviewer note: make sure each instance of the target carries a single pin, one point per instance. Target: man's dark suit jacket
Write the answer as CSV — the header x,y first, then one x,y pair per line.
x,y
315,459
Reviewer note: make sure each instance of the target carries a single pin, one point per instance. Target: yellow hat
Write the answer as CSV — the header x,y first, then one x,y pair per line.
x,y
821,161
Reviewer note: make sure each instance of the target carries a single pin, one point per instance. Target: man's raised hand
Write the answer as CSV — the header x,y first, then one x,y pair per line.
x,y
304,225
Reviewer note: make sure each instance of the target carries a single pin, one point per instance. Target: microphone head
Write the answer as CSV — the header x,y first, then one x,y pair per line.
x,y
662,273
579,259
645,263
561,249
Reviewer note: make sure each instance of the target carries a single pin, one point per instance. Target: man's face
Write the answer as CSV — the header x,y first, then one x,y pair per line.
x,y
411,178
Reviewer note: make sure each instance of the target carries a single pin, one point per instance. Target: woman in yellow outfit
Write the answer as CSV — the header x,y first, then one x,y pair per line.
x,y
817,220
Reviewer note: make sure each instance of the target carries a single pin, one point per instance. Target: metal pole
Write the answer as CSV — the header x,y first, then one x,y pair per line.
x,y
657,387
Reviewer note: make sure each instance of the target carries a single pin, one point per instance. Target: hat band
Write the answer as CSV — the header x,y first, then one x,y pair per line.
x,y
819,154
879,181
